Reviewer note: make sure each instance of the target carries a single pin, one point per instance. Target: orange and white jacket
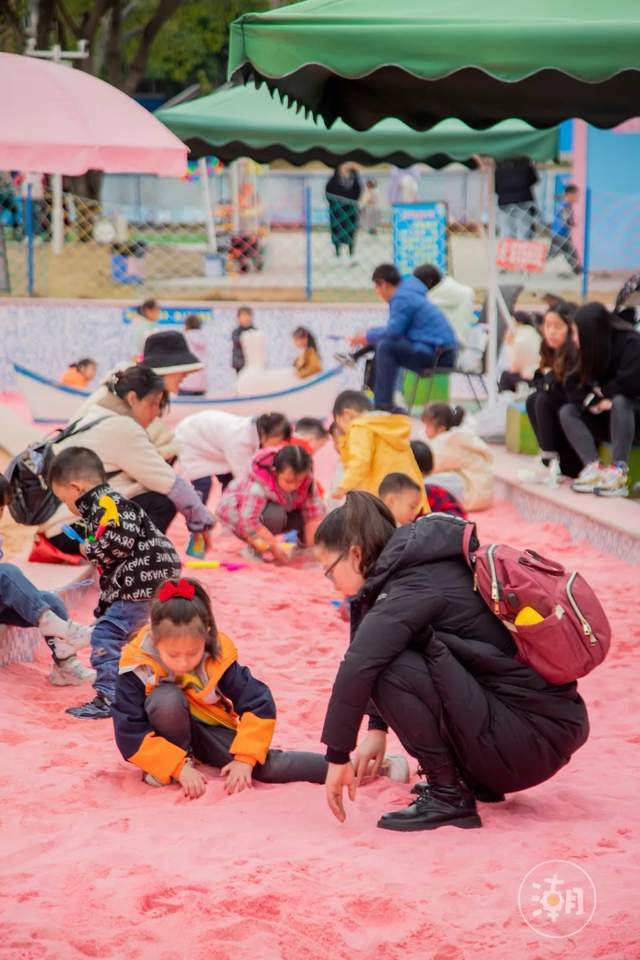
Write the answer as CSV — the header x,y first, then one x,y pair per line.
x,y
220,691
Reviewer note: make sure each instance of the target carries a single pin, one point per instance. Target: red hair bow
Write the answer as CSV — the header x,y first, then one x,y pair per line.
x,y
182,589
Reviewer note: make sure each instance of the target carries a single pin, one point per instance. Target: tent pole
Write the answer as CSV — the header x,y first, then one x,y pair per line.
x,y
492,284
212,243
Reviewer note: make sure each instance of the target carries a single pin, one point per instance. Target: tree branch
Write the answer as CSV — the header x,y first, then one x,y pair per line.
x,y
65,16
46,12
93,17
13,20
138,65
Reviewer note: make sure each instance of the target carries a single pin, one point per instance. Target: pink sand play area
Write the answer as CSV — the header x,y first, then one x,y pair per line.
x,y
94,863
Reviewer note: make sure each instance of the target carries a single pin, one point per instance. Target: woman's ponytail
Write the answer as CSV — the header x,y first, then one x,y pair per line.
x,y
444,415
457,415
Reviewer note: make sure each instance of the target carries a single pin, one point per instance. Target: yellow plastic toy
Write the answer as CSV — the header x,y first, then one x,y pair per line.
x,y
527,617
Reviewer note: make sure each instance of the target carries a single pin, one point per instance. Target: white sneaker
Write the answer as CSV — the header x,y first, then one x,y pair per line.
x,y
588,479
554,474
614,482
71,673
78,636
396,767
152,781
548,476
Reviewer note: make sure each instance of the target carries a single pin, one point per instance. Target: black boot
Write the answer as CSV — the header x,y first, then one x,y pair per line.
x,y
438,806
480,793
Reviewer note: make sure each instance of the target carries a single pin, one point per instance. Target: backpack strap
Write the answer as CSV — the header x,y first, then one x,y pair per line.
x,y
73,430
468,536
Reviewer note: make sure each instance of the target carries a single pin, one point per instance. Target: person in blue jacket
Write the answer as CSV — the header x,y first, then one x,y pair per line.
x,y
415,330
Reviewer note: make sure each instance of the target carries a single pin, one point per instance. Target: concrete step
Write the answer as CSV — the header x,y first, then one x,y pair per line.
x,y
611,525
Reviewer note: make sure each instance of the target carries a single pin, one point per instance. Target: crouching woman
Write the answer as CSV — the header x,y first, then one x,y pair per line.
x,y
430,660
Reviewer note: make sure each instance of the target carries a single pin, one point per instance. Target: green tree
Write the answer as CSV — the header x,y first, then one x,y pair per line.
x,y
170,42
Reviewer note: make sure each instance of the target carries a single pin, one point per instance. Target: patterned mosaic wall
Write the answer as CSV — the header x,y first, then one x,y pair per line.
x,y
47,336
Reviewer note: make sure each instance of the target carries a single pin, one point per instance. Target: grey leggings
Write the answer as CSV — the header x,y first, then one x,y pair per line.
x,y
622,428
169,716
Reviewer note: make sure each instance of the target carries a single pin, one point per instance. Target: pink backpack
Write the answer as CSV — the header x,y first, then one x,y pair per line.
x,y
574,636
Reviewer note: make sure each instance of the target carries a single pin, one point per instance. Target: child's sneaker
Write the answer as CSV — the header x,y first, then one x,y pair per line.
x,y
344,359
588,479
396,767
97,709
614,482
71,673
152,781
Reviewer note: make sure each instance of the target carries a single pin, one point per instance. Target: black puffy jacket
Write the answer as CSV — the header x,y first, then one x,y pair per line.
x,y
508,727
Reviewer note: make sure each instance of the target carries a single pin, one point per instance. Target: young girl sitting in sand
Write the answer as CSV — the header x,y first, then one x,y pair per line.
x,y
79,374
462,462
308,362
276,496
181,695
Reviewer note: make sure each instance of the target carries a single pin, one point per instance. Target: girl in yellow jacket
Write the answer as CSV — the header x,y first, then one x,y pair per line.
x,y
462,462
182,696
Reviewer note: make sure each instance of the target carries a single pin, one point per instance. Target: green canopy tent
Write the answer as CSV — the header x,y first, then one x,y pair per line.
x,y
423,61
245,122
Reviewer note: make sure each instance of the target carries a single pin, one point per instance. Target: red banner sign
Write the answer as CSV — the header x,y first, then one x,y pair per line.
x,y
522,256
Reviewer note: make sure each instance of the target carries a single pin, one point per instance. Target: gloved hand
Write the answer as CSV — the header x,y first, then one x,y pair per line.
x,y
188,503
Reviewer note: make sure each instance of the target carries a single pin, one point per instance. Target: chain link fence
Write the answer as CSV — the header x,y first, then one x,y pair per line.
x,y
284,238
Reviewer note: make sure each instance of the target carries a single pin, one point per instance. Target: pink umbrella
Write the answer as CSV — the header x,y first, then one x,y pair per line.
x,y
54,119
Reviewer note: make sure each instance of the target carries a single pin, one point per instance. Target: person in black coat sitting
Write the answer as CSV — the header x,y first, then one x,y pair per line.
x,y
558,361
604,402
430,660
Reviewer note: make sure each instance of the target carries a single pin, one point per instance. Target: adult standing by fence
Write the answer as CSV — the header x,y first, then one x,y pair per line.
x,y
515,179
343,193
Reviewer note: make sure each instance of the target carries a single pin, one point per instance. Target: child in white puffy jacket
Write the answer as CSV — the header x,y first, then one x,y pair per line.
x,y
462,461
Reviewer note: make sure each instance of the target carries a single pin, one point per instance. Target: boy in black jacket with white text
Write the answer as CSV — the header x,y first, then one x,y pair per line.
x,y
131,554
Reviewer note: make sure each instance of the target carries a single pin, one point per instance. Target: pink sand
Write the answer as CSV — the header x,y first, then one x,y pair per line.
x,y
93,863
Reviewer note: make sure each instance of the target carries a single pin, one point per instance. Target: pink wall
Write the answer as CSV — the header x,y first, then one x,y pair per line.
x,y
580,162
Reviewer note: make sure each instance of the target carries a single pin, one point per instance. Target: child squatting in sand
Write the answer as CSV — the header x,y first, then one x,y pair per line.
x,y
276,496
181,695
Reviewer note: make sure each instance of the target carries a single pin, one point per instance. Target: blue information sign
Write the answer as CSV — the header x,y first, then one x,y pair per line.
x,y
171,316
420,235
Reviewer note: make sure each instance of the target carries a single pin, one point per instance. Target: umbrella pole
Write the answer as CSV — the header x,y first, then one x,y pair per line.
x,y
57,216
492,285
212,242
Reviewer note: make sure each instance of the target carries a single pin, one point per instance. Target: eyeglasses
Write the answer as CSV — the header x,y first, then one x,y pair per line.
x,y
329,570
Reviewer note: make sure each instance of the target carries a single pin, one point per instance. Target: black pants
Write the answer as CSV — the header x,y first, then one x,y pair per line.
x,y
405,698
157,506
543,409
277,520
169,716
203,485
565,246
